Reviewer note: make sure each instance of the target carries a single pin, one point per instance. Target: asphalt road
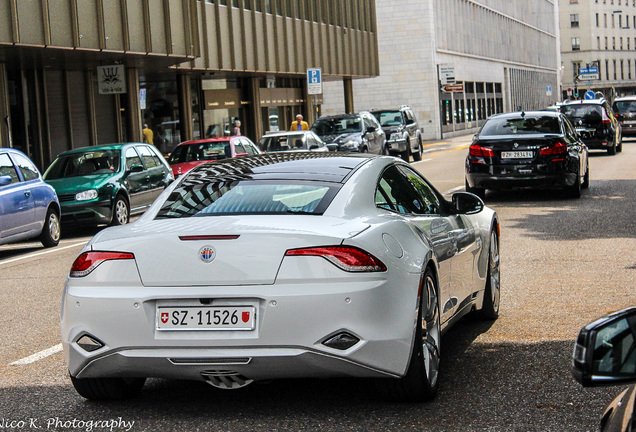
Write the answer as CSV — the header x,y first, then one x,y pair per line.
x,y
564,263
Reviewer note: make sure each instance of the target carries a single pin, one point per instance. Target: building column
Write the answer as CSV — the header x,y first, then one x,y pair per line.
x,y
184,92
5,109
254,89
133,116
348,95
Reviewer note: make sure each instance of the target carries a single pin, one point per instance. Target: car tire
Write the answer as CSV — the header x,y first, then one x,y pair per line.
x,y
492,292
586,177
51,230
406,154
480,192
574,191
421,381
619,148
121,211
612,150
108,388
417,156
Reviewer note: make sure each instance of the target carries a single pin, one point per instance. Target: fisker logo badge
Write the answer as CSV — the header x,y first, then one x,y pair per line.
x,y
207,254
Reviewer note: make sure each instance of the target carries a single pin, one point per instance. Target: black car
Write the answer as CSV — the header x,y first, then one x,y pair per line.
x,y
403,135
538,149
625,109
604,355
359,132
596,122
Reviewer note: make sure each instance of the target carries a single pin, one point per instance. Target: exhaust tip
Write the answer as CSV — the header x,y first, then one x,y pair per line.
x,y
341,341
226,379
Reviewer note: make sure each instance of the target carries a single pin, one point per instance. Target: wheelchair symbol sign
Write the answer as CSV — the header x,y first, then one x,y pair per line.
x,y
314,81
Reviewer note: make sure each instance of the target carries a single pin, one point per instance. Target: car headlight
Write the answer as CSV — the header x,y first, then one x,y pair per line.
x,y
395,136
86,195
351,144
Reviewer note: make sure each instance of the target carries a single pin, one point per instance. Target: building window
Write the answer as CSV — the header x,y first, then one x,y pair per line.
x,y
576,44
627,43
607,70
574,20
605,20
620,21
597,20
621,43
576,66
615,74
613,43
622,74
606,43
613,22
598,42
629,70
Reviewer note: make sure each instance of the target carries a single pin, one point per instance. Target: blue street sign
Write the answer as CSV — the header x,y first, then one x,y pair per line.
x,y
314,81
589,94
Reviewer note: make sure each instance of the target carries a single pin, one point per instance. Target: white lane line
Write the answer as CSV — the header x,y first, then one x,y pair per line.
x,y
455,189
55,249
426,160
37,356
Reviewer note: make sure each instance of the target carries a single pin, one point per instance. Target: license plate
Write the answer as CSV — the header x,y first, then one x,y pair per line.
x,y
206,318
517,155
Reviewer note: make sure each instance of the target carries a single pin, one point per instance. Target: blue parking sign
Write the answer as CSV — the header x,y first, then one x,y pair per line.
x,y
314,81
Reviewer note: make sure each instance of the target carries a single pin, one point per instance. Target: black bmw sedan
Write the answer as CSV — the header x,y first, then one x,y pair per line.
x,y
538,149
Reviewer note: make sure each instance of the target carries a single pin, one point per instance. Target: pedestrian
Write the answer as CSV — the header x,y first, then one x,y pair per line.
x,y
299,124
148,135
237,128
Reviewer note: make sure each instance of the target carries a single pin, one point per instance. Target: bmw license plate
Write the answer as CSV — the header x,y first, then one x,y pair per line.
x,y
206,318
517,155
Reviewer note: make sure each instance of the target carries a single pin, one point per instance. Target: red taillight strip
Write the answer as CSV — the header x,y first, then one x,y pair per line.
x,y
477,150
347,258
88,261
558,148
209,237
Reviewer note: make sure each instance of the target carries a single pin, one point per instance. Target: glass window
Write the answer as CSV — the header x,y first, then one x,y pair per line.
x,y
7,168
132,158
149,158
521,126
401,190
576,44
28,170
95,162
574,20
238,148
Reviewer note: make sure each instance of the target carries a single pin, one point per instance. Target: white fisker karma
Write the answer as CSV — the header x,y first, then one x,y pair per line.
x,y
282,266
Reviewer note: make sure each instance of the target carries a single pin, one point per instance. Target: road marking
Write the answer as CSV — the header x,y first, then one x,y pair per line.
x,y
38,356
426,160
56,249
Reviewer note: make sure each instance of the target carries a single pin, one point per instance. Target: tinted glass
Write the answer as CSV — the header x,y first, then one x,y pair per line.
x,y
89,163
201,152
624,107
29,171
588,112
233,197
149,158
282,143
396,192
388,118
7,168
337,125
521,126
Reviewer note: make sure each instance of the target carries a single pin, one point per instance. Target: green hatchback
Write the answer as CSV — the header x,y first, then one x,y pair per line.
x,y
108,183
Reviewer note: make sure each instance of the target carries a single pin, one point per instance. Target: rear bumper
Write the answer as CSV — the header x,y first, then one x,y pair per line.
x,y
509,177
396,146
292,322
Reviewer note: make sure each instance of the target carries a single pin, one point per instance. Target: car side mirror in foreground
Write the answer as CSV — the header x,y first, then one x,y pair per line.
x,y
605,351
467,203
5,180
136,168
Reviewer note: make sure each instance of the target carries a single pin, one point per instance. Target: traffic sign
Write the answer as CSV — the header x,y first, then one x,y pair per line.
x,y
314,81
589,76
588,70
453,88
447,73
589,94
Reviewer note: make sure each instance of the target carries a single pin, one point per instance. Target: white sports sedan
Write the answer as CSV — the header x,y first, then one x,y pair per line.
x,y
278,266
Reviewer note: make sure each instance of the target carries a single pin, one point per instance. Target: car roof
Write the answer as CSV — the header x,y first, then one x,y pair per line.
x,y
207,140
312,166
624,98
116,146
528,114
585,102
286,133
339,116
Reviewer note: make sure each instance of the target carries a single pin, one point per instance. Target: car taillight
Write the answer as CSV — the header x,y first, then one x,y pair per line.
x,y
556,149
477,150
88,261
606,118
347,258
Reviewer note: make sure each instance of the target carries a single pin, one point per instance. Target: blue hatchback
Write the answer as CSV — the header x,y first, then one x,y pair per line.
x,y
29,208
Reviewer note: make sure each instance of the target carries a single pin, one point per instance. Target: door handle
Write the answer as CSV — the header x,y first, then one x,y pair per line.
x,y
27,194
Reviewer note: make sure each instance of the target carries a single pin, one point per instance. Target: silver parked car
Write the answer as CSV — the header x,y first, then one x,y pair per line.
x,y
293,141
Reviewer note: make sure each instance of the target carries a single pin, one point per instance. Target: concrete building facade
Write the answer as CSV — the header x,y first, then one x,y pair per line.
x,y
75,73
601,34
504,54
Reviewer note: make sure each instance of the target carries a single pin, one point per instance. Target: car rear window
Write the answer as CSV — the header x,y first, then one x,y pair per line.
x,y
388,118
201,152
591,112
96,162
521,125
282,143
234,197
625,107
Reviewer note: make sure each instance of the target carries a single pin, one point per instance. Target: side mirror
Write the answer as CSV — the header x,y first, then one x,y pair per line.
x,y
314,147
371,129
605,351
5,180
467,203
136,168
332,147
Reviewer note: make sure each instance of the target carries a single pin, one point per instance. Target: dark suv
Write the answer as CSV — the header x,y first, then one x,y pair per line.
x,y
403,136
359,132
625,109
595,121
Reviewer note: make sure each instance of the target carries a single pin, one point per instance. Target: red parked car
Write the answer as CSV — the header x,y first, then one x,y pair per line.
x,y
189,154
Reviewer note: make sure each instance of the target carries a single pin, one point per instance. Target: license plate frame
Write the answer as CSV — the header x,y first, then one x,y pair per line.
x,y
205,318
517,155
